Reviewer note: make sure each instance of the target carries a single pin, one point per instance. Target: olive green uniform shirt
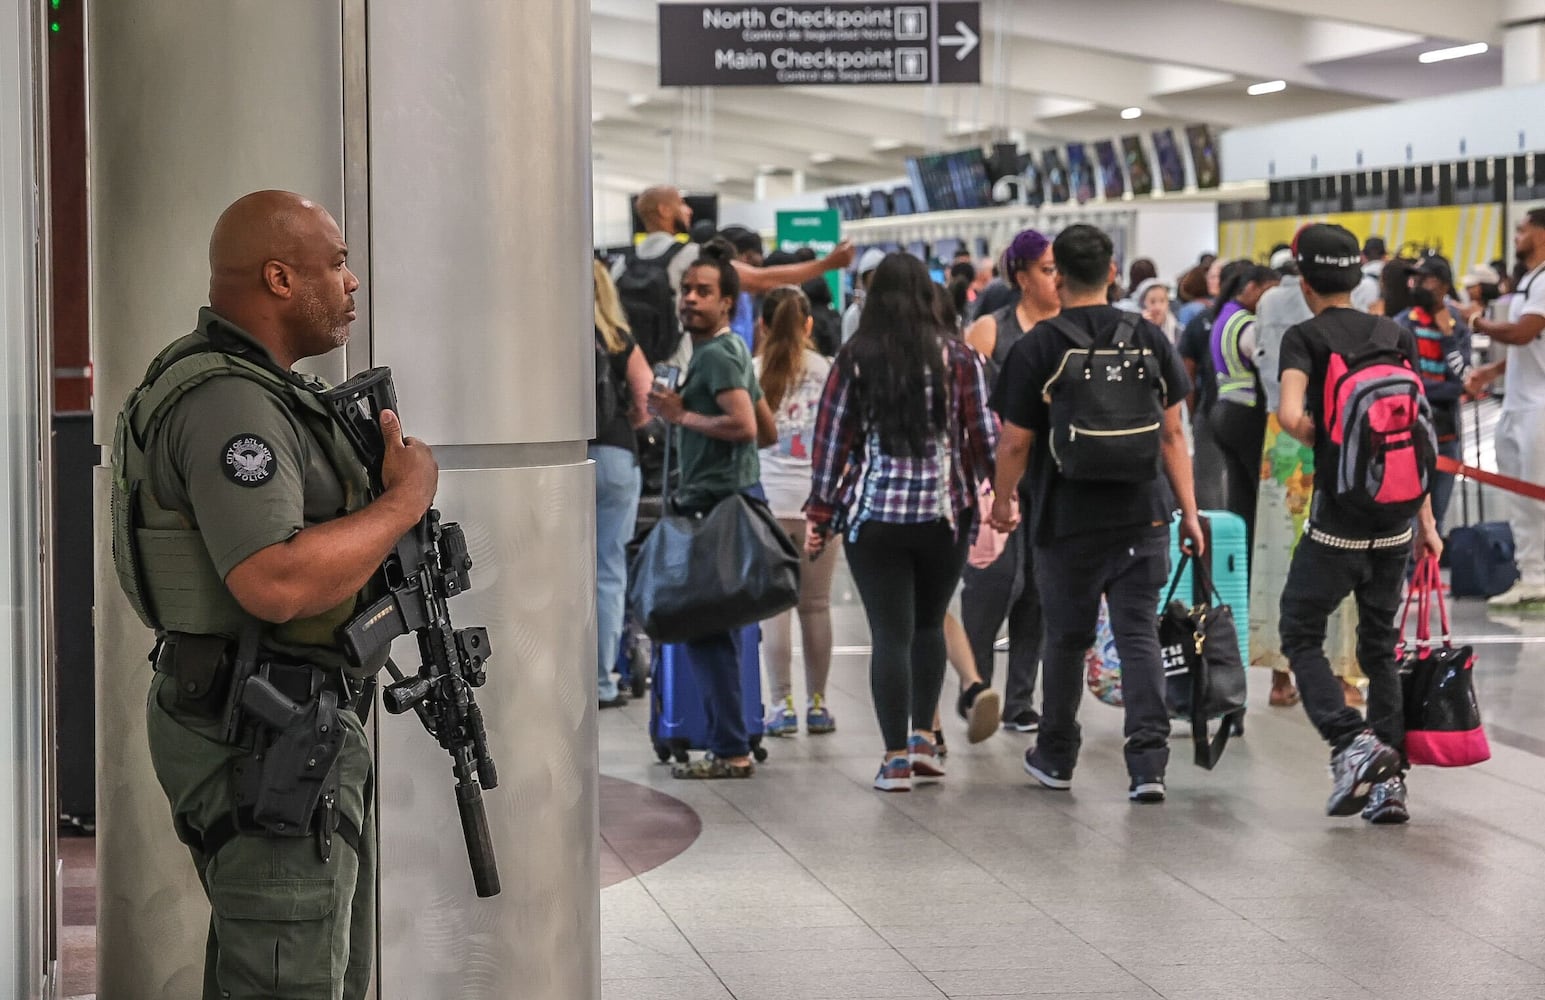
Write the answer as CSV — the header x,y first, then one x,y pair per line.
x,y
710,468
235,460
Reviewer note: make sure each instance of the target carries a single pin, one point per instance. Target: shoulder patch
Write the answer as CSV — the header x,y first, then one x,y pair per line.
x,y
247,460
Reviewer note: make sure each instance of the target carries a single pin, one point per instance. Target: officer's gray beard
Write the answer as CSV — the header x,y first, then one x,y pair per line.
x,y
328,325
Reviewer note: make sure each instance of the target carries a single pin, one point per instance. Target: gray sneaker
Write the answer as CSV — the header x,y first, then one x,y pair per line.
x,y
1387,802
1366,762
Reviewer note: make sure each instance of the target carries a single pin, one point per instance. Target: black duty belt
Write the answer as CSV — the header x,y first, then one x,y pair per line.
x,y
300,682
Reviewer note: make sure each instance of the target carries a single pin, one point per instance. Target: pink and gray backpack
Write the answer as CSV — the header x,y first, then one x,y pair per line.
x,y
1381,423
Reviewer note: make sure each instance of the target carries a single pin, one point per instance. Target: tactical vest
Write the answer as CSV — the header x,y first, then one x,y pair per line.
x,y
1235,375
163,564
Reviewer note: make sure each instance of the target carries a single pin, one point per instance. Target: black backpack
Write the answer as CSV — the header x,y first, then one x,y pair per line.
x,y
1107,412
611,394
650,303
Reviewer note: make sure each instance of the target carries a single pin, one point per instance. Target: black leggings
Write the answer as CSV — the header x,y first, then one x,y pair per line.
x,y
906,575
1240,432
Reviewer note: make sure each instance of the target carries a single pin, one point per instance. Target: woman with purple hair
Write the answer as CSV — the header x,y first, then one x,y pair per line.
x,y
1006,589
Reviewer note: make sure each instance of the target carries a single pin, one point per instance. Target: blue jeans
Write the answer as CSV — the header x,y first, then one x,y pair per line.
x,y
1443,482
617,486
715,663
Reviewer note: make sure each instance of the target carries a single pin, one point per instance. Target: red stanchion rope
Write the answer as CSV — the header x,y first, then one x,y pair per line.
x,y
1534,491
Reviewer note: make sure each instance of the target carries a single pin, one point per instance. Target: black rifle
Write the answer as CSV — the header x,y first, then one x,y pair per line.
x,y
426,568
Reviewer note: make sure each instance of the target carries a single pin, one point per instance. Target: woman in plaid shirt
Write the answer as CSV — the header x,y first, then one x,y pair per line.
x,y
902,440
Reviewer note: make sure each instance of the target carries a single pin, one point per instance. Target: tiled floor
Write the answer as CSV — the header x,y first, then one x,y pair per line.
x,y
806,884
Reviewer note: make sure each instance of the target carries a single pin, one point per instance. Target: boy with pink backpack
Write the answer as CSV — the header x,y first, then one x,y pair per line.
x,y
1351,390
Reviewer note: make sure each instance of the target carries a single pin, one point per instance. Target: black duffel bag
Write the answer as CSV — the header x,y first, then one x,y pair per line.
x,y
702,573
699,573
1204,676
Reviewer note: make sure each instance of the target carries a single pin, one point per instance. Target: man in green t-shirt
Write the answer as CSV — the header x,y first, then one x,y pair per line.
x,y
723,419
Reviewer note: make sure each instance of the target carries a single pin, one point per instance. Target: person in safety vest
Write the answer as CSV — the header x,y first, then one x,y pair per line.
x,y
243,535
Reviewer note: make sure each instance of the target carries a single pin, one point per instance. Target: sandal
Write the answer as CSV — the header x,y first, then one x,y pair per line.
x,y
1283,695
710,768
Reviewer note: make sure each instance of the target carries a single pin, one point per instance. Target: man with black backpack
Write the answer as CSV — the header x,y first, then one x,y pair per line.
x,y
1351,391
649,275
1090,401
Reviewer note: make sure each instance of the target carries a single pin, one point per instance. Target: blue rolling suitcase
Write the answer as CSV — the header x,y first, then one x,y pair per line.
x,y
1228,559
676,720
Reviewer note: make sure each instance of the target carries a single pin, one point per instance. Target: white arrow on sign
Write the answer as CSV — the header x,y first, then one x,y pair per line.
x,y
967,40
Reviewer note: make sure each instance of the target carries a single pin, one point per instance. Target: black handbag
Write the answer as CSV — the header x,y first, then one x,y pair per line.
x,y
1204,675
1437,687
705,572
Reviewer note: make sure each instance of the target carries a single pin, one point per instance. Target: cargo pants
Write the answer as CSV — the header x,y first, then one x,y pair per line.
x,y
283,923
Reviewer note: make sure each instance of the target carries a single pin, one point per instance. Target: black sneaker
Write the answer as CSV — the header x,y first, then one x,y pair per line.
x,y
968,698
1027,721
1367,761
1387,802
1057,778
1147,789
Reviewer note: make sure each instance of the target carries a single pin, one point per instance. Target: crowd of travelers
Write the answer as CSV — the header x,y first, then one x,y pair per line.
x,y
928,420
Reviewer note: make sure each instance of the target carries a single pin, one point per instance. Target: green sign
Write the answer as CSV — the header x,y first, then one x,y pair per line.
x,y
821,231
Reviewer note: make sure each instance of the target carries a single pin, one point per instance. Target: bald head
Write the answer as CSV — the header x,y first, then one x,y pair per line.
x,y
277,269
259,227
664,210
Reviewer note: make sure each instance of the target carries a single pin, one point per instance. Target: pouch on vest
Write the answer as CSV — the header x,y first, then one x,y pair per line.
x,y
1107,414
199,667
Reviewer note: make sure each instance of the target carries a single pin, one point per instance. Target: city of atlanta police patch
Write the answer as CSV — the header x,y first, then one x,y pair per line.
x,y
248,461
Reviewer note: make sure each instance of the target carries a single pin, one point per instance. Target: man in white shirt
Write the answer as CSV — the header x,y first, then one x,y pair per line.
x,y
665,213
1520,433
1368,290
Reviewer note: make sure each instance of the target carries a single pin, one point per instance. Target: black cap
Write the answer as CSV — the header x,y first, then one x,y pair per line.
x,y
1374,249
1328,258
1438,268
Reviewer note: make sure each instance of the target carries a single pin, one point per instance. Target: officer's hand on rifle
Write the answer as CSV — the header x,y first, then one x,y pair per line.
x,y
408,470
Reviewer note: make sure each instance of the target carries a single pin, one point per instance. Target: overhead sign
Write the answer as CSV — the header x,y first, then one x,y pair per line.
x,y
818,229
789,44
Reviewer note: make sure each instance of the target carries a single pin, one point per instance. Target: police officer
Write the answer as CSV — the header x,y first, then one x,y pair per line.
x,y
244,535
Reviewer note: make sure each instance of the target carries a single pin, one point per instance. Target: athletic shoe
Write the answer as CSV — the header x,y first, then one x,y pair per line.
x,y
1518,593
981,707
782,720
1027,721
895,775
938,744
1354,772
818,718
1147,789
1057,778
1387,802
924,756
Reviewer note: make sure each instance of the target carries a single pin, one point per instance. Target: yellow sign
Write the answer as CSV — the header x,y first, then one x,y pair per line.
x,y
1467,235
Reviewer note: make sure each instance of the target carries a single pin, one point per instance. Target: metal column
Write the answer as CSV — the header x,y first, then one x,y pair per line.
x,y
479,233
453,145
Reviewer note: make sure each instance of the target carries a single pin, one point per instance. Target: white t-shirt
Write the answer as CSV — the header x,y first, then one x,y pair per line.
x,y
786,465
1526,364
